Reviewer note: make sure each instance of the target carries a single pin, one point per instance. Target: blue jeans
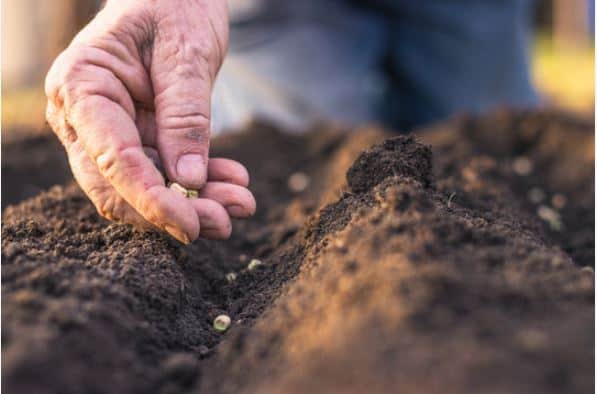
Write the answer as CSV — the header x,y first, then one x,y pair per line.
x,y
399,62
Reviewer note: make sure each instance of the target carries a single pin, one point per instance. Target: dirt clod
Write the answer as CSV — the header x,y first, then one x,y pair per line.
x,y
398,156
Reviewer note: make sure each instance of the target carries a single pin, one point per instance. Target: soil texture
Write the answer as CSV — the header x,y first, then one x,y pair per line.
x,y
458,259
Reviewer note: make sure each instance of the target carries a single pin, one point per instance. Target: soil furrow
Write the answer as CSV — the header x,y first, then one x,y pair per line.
x,y
394,270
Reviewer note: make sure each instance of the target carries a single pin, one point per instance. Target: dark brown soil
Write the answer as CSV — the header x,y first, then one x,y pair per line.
x,y
394,271
31,163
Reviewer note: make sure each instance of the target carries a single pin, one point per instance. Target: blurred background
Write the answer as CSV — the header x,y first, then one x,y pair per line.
x,y
35,31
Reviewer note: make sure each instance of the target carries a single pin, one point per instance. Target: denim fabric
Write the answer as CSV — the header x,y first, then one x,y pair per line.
x,y
403,63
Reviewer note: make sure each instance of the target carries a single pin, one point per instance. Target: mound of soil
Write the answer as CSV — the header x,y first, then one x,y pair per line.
x,y
394,270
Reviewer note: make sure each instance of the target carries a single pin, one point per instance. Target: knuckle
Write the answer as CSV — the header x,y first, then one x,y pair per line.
x,y
66,74
106,163
185,69
110,161
71,92
77,89
191,57
192,49
106,208
109,204
53,79
104,202
76,92
189,123
199,48
80,107
61,129
75,67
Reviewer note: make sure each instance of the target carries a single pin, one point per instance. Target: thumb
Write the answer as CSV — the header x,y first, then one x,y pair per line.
x,y
182,80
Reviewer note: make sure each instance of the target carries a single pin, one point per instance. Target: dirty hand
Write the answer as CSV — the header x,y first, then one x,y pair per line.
x,y
131,94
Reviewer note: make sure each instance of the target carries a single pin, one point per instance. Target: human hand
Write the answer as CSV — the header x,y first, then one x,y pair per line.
x,y
131,94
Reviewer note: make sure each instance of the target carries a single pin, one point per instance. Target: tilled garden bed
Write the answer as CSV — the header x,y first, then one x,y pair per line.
x,y
459,260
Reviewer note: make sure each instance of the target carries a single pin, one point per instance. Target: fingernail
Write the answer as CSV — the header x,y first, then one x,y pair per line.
x,y
236,211
191,170
178,234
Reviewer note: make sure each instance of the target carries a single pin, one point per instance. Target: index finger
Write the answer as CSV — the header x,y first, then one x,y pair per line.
x,y
112,141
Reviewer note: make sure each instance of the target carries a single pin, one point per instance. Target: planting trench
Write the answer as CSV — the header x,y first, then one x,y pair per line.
x,y
406,265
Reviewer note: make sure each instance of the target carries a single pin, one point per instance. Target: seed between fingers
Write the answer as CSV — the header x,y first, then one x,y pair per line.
x,y
188,193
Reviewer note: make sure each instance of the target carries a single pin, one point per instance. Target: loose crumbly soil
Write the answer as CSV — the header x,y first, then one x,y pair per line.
x,y
407,265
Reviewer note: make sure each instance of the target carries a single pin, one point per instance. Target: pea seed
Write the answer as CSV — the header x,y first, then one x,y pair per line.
x,y
177,187
522,166
192,194
452,195
221,323
188,193
254,263
230,277
550,216
298,182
